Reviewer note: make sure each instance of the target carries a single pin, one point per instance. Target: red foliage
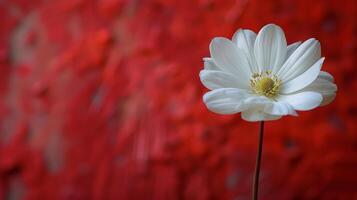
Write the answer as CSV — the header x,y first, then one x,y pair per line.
x,y
101,100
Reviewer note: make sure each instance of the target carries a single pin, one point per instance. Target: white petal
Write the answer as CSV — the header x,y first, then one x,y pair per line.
x,y
225,100
327,98
302,80
254,115
302,101
279,108
270,47
291,48
268,106
322,86
326,76
245,39
302,58
258,102
210,65
219,79
230,59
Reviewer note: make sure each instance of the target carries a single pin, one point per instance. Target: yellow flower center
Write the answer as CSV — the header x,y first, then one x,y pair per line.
x,y
265,84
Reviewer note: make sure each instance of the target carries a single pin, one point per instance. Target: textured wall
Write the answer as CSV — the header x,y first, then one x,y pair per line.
x,y
102,100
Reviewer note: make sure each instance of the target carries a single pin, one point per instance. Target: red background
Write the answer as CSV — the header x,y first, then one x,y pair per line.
x,y
102,100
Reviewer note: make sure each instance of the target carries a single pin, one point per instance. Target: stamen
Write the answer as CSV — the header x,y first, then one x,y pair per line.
x,y
265,84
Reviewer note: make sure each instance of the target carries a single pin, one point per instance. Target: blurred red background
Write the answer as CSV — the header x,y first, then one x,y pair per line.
x,y
102,100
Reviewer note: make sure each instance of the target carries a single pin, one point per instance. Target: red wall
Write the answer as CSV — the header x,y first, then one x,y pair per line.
x,y
102,100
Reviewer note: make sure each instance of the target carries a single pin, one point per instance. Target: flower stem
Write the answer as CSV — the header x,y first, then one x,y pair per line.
x,y
257,163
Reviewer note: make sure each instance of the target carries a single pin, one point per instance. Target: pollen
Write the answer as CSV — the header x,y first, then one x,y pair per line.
x,y
265,84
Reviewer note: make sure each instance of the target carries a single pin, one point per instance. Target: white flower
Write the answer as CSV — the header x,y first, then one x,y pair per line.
x,y
263,78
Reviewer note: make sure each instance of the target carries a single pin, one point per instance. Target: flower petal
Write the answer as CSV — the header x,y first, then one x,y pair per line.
x,y
302,80
327,98
225,100
230,58
254,115
270,47
326,76
303,100
279,108
210,65
258,108
258,102
291,48
323,86
301,59
219,79
245,39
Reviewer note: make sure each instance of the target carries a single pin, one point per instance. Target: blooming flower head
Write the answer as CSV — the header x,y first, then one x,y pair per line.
x,y
262,77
